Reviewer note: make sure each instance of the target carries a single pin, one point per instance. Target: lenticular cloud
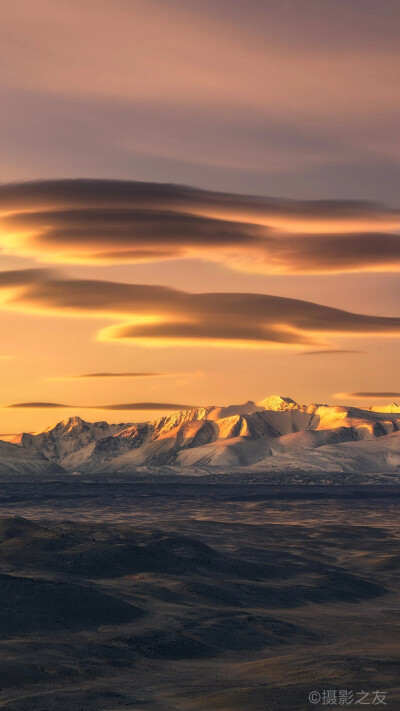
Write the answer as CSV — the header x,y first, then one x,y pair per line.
x,y
116,222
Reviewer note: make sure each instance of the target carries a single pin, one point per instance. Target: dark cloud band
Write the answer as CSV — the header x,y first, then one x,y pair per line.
x,y
83,193
121,406
160,314
104,221
127,375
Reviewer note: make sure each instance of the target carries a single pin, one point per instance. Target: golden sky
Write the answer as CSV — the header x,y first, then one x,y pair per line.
x,y
198,205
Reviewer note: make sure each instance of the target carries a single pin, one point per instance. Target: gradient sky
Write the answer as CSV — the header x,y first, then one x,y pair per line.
x,y
294,102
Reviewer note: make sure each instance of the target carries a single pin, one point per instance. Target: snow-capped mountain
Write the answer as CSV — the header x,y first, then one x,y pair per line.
x,y
393,408
276,402
72,435
21,461
275,434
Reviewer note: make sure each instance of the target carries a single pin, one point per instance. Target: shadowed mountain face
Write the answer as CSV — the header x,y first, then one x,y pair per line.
x,y
27,461
274,435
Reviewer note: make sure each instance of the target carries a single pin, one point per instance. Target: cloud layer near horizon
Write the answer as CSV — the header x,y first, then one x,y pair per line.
x,y
115,222
120,406
366,395
331,351
125,375
158,315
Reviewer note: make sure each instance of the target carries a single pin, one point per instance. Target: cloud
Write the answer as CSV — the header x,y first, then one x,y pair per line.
x,y
159,315
372,395
268,103
126,375
121,406
36,405
114,222
115,375
331,351
148,406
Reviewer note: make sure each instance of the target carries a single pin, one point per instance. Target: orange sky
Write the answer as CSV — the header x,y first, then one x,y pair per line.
x,y
204,294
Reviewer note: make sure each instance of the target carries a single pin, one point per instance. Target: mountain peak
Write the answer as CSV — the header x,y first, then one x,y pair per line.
x,y
68,424
278,403
72,421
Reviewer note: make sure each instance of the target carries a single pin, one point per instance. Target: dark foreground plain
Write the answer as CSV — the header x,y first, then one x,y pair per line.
x,y
194,595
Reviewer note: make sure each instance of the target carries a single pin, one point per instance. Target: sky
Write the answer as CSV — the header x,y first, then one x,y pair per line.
x,y
198,205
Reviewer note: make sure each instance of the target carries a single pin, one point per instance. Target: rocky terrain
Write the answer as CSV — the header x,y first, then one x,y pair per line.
x,y
193,597
22,461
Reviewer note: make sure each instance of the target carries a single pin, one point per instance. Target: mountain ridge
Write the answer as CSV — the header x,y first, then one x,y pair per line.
x,y
248,436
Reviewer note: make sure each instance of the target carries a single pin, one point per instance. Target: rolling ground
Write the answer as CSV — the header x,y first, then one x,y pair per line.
x,y
193,594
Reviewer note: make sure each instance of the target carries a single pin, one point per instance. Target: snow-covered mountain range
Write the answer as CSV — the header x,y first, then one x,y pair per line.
x,y
273,435
21,461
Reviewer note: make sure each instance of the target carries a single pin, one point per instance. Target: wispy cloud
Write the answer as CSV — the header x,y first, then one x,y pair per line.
x,y
158,315
368,395
116,222
216,124
127,375
119,406
35,405
330,351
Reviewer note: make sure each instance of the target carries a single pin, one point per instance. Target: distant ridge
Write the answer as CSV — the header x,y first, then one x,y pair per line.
x,y
393,407
274,435
278,403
